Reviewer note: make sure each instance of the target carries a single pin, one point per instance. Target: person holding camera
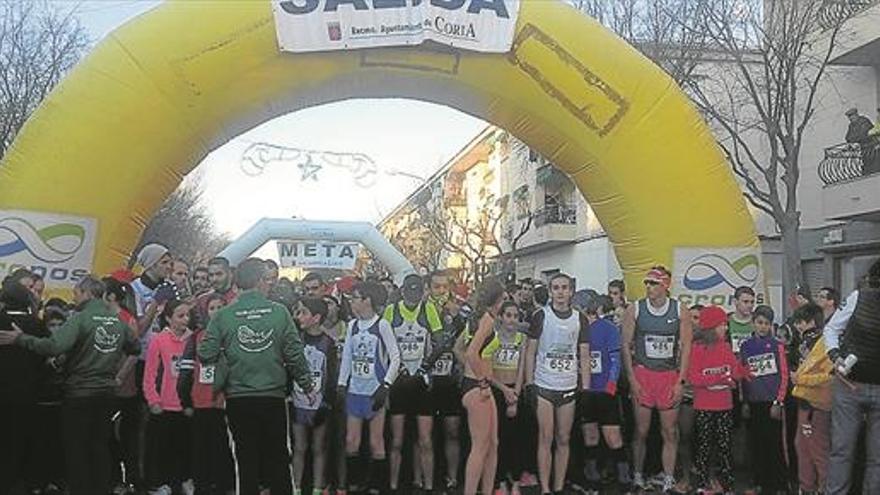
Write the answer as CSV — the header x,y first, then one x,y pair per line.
x,y
852,337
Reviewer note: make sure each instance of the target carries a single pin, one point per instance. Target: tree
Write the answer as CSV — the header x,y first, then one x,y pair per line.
x,y
762,98
38,46
184,225
666,31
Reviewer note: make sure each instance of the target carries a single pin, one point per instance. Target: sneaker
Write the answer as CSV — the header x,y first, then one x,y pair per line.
x,y
188,487
162,490
528,479
668,483
638,481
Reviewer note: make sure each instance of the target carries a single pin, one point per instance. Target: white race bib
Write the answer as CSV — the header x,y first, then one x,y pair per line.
x,y
763,364
595,362
411,348
362,367
507,357
559,362
206,375
443,367
660,346
736,341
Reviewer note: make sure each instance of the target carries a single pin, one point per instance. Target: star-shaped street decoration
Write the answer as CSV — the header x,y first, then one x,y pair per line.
x,y
309,169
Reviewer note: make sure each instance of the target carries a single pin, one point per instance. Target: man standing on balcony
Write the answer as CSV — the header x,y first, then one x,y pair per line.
x,y
858,132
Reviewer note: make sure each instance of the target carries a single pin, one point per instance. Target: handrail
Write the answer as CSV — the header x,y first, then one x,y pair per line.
x,y
833,12
847,161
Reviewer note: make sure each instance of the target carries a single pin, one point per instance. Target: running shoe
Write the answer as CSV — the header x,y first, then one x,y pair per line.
x,y
638,482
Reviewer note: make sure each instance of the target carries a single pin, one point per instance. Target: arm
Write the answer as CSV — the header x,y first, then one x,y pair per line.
x,y
61,341
521,368
628,333
345,365
332,362
472,354
783,373
145,321
614,358
687,337
151,370
187,369
209,347
294,359
393,352
127,365
584,351
838,322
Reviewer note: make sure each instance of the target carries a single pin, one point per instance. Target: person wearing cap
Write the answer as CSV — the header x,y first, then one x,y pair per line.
x,y
714,371
656,350
858,132
413,322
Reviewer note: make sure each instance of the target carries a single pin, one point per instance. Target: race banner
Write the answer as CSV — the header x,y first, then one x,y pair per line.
x,y
311,254
59,248
326,25
710,275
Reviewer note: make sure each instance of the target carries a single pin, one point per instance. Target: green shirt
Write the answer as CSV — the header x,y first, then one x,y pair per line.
x,y
261,347
94,340
739,332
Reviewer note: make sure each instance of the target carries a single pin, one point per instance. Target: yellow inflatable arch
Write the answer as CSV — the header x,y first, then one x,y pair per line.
x,y
116,137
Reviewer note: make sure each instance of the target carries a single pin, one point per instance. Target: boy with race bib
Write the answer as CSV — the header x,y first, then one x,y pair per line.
x,y
558,338
370,363
310,418
413,322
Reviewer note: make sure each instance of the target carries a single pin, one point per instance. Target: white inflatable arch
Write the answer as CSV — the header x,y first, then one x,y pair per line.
x,y
365,233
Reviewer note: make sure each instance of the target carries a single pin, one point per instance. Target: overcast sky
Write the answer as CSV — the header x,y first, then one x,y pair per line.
x,y
403,135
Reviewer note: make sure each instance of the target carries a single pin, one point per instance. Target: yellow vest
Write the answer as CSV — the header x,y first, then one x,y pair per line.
x,y
813,378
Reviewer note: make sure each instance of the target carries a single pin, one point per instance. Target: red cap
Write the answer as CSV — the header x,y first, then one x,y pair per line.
x,y
346,284
711,317
123,275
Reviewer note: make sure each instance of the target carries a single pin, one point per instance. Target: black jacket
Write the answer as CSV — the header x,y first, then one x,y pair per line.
x,y
21,371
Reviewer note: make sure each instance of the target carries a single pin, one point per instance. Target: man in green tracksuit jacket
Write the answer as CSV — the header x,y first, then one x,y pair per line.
x,y
259,349
94,340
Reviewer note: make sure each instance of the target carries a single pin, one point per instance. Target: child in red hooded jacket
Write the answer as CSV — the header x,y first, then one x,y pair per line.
x,y
713,372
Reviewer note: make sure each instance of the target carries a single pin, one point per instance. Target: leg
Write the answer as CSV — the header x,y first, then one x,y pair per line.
x,y
397,425
452,446
300,446
75,431
821,446
339,449
353,432
275,437
378,474
702,425
643,426
669,430
590,432
685,443
846,422
723,432
545,442
806,471
490,461
872,446
426,450
319,456
245,429
478,407
564,419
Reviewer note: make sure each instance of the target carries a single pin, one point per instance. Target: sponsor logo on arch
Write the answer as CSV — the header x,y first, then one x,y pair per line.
x,y
60,248
710,275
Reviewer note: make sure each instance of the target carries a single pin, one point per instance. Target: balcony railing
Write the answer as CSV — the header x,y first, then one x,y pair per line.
x,y
849,161
556,214
833,12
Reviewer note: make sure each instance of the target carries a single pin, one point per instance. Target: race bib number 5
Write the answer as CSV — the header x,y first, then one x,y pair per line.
x,y
660,346
206,375
763,364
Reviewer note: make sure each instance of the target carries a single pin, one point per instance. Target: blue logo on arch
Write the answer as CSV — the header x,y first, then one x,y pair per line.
x,y
712,270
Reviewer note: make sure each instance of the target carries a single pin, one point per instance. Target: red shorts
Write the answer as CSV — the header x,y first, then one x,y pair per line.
x,y
657,387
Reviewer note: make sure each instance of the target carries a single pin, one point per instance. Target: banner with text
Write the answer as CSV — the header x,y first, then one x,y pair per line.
x,y
59,248
710,275
324,25
311,254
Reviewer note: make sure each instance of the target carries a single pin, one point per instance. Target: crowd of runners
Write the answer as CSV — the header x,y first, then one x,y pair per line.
x,y
222,379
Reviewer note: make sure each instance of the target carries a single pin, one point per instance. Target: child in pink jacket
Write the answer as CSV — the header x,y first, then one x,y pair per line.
x,y
168,431
713,372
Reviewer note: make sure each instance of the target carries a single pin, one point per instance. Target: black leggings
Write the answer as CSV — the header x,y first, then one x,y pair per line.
x,y
510,444
713,430
170,438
